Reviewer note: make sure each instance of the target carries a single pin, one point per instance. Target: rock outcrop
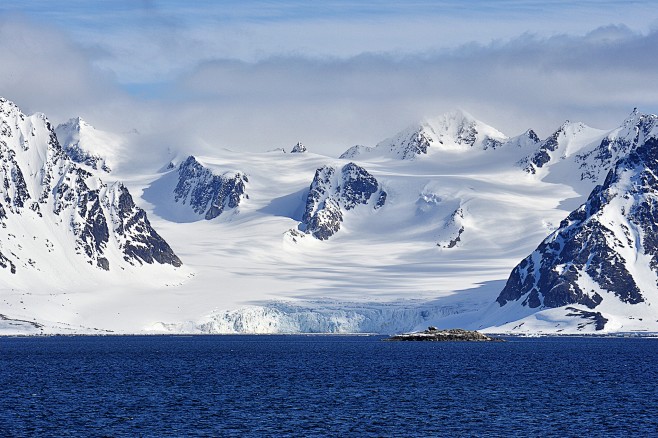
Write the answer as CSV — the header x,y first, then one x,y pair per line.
x,y
206,193
432,334
333,192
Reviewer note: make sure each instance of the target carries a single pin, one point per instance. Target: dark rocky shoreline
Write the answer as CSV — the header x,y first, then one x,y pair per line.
x,y
432,334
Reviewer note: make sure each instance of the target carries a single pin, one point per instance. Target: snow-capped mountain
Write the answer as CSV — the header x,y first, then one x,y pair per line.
x,y
615,145
422,229
554,147
87,145
334,192
207,194
197,189
454,131
355,151
604,255
53,211
299,148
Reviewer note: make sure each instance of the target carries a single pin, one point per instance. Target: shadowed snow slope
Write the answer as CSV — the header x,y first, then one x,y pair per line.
x,y
432,222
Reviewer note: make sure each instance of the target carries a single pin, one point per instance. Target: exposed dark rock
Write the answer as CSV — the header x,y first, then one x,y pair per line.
x,y
551,144
595,318
299,148
82,157
330,194
89,224
80,201
140,242
418,143
456,240
206,193
433,334
103,263
357,187
20,321
14,188
586,243
7,263
532,135
381,200
543,154
454,229
491,143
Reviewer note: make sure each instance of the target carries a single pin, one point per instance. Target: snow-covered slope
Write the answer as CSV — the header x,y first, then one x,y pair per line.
x,y
63,227
87,145
604,255
374,241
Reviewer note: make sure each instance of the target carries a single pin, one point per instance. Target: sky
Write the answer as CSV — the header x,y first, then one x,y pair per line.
x,y
257,75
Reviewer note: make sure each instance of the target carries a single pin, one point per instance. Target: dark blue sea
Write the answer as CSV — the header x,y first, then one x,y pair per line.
x,y
161,386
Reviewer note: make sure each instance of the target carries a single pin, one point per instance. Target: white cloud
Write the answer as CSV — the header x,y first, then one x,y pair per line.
x,y
528,82
331,103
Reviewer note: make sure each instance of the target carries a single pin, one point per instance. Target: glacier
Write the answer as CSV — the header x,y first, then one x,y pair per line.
x,y
432,222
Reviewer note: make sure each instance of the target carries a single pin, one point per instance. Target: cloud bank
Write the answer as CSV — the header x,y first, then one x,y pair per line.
x,y
332,102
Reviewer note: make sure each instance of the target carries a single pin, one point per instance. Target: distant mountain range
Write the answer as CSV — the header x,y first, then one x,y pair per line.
x,y
432,226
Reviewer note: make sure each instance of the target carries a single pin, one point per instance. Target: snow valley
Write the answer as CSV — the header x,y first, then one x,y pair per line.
x,y
448,223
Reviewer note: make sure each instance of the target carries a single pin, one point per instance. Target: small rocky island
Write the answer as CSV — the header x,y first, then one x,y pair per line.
x,y
434,334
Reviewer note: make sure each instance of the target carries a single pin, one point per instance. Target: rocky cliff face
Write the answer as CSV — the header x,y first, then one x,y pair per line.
x,y
299,148
137,239
208,194
617,144
335,191
607,247
46,195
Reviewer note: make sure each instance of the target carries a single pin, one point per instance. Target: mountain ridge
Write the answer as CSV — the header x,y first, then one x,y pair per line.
x,y
306,242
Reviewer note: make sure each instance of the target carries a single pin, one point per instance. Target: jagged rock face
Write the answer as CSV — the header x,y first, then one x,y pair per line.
x,y
332,192
138,240
206,193
554,148
603,245
615,145
416,143
453,229
299,148
40,183
532,136
88,220
542,156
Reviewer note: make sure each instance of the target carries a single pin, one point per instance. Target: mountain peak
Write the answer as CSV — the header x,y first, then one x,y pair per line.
x,y
299,148
454,116
77,124
7,106
87,145
604,251
48,196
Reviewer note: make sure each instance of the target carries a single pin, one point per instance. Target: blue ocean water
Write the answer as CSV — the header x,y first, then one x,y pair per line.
x,y
326,386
